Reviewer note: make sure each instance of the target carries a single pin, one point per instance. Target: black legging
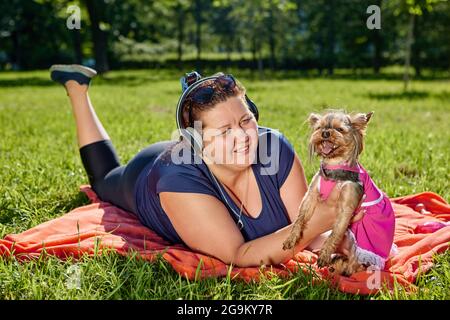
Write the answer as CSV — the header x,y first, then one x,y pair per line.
x,y
111,181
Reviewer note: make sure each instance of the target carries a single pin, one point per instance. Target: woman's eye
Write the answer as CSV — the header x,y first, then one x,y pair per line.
x,y
225,132
245,121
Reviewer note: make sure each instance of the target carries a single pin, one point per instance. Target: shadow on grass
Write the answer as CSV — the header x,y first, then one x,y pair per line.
x,y
10,213
402,95
26,82
409,95
78,201
147,76
109,80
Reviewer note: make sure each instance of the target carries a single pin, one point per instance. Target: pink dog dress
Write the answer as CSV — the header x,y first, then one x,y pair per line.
x,y
373,235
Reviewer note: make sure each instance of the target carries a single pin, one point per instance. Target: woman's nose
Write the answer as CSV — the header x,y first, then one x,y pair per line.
x,y
240,133
241,136
325,134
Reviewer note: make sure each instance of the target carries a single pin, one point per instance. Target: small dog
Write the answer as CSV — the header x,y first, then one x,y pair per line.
x,y
337,138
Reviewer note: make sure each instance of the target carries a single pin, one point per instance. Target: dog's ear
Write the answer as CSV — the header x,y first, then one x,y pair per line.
x,y
359,121
313,119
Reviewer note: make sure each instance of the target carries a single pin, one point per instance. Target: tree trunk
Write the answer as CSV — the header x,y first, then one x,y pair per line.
x,y
415,50
198,30
254,57
180,25
378,46
330,44
98,36
271,37
229,49
16,56
260,66
321,55
409,42
77,47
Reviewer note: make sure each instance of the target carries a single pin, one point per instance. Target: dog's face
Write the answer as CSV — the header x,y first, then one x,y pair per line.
x,y
337,135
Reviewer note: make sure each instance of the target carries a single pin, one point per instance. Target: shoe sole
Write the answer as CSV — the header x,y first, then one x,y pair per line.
x,y
88,72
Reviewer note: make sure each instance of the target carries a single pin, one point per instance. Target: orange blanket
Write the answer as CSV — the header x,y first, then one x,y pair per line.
x,y
78,232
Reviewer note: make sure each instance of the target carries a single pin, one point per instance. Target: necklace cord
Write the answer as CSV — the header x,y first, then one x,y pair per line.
x,y
239,216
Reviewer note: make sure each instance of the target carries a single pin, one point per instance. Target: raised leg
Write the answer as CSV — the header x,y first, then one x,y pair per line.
x,y
89,127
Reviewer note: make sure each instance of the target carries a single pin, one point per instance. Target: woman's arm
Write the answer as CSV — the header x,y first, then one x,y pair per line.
x,y
205,225
269,249
294,189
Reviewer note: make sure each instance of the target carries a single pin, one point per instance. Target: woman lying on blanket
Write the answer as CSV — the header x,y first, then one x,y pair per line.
x,y
229,188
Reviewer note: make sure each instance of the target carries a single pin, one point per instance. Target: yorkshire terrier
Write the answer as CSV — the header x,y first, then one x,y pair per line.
x,y
338,139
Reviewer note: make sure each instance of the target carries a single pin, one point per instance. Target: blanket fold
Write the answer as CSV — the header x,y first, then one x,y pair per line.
x,y
99,225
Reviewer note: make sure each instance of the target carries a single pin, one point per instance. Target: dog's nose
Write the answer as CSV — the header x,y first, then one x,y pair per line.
x,y
325,134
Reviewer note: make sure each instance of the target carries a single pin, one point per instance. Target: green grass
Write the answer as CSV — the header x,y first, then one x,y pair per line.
x,y
407,151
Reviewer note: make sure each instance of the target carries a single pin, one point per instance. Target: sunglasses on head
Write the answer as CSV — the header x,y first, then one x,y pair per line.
x,y
205,94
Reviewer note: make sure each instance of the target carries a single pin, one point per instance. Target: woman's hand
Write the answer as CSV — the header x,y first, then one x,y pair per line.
x,y
359,215
205,225
360,211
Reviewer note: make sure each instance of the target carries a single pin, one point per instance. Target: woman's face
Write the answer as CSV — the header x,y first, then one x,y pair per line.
x,y
230,134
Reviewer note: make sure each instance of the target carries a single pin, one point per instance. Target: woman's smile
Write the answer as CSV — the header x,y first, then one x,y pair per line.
x,y
243,150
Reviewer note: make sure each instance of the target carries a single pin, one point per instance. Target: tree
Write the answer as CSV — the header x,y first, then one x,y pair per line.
x,y
250,17
30,38
377,40
11,24
198,12
306,34
96,9
180,13
224,26
412,9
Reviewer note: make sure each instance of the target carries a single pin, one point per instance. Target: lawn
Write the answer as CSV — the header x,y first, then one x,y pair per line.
x,y
407,151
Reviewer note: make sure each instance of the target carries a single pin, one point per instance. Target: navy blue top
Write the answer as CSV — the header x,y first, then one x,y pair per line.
x,y
271,169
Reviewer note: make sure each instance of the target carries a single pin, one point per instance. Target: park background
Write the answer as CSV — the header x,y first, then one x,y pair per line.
x,y
300,35
294,57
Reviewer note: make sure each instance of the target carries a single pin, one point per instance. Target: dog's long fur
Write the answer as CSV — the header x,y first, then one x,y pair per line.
x,y
345,133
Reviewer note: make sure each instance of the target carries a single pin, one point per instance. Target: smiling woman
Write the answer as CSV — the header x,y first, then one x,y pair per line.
x,y
237,203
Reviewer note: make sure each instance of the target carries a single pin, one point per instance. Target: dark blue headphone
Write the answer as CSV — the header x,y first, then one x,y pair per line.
x,y
189,83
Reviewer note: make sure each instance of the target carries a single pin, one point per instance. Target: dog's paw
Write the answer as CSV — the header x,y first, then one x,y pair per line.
x,y
324,260
339,264
289,243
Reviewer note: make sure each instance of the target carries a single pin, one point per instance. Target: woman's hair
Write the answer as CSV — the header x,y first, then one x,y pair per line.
x,y
192,109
